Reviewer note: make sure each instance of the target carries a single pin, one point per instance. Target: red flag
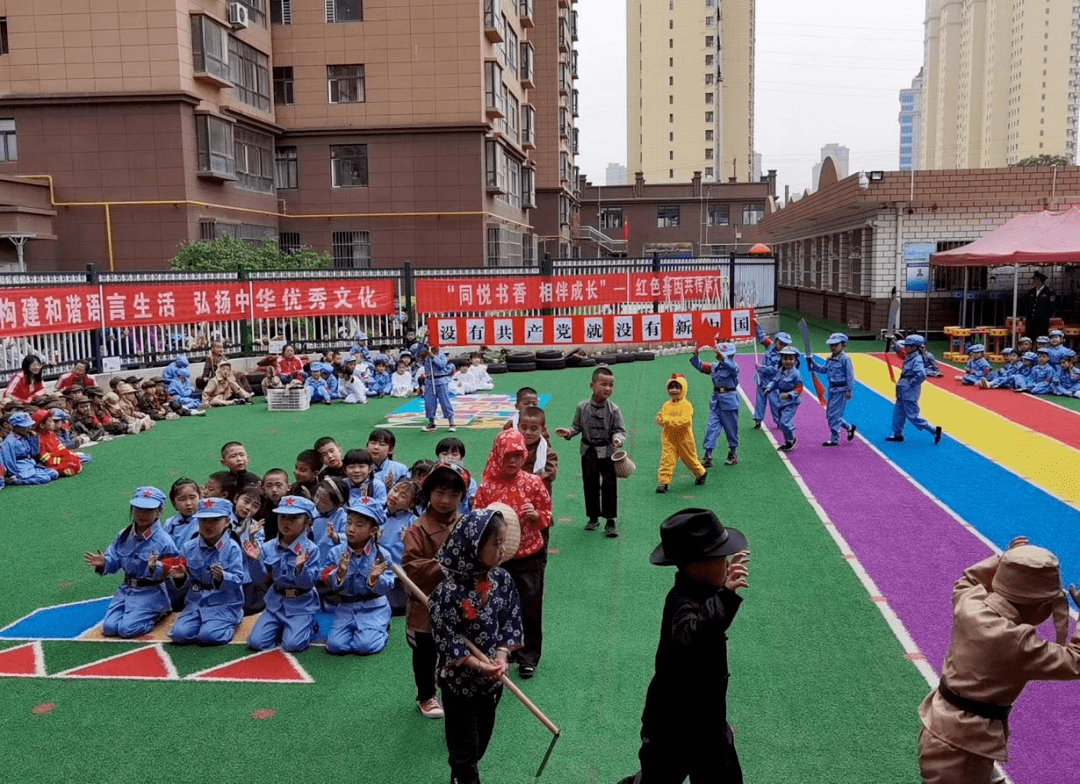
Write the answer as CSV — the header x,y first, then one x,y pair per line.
x,y
626,230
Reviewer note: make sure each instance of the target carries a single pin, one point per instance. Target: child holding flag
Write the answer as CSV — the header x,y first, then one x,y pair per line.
x,y
841,375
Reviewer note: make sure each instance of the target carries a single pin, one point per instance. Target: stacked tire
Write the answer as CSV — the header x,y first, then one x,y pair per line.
x,y
520,361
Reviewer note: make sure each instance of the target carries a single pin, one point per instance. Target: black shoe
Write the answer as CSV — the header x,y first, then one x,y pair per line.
x,y
894,438
732,459
610,530
830,443
937,434
661,488
851,432
757,424
707,462
701,479
791,446
592,525
526,671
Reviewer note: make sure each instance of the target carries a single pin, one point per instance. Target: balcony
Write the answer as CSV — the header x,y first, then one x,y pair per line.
x,y
573,26
494,23
526,71
525,13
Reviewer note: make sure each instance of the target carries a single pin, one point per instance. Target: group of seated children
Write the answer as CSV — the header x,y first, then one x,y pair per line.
x,y
1049,370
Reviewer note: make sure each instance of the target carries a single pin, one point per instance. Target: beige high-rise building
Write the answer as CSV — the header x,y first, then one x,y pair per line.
x,y
1000,81
690,89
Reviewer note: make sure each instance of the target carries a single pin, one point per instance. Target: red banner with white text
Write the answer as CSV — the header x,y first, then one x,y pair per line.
x,y
322,297
476,295
583,330
39,311
133,305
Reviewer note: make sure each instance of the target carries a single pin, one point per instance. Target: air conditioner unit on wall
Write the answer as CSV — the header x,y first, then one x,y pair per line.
x,y
238,15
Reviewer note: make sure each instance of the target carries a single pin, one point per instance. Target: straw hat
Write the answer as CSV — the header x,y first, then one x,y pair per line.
x,y
513,529
624,466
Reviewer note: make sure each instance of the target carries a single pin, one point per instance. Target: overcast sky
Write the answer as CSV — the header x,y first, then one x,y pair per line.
x,y
826,71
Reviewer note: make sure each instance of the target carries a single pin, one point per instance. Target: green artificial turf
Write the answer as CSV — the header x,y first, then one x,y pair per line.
x,y
819,689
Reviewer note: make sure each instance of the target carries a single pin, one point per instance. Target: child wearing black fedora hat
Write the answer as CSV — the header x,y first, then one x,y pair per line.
x,y
678,739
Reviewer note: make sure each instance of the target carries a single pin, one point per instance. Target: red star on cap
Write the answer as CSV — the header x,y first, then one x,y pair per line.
x,y
207,503
289,501
146,494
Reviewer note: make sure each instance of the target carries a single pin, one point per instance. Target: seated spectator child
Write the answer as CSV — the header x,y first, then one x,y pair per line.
x,y
381,383
330,454
220,484
184,496
244,527
27,385
419,470
291,568
477,602
931,365
541,458
19,453
275,486
476,376
317,386
270,379
1024,345
328,526
402,383
234,457
360,345
443,490
401,504
977,368
151,404
1003,376
113,427
380,446
51,452
288,365
1020,378
362,482
78,376
306,474
213,574
84,422
128,404
452,450
181,391
223,389
353,385
1042,375
358,572
138,550
1056,346
1068,380
526,494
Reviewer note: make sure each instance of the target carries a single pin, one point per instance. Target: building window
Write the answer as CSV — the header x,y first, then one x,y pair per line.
x,y
611,218
283,86
752,214
249,70
209,47
709,59
494,90
289,241
719,214
526,69
256,11
9,149
708,116
214,137
345,83
709,97
709,172
352,249
3,36
667,217
512,48
281,11
528,124
349,165
286,168
709,78
513,113
710,41
528,188
709,135
344,11
254,154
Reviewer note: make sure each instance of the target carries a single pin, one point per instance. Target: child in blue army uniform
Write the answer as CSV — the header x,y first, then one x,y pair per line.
x,y
437,372
1056,347
841,376
1068,381
331,498
977,368
360,471
476,601
184,496
213,575
931,365
1002,378
401,513
678,739
249,502
358,572
138,550
724,403
785,394
1023,374
1042,376
318,386
767,370
19,453
908,389
385,468
290,563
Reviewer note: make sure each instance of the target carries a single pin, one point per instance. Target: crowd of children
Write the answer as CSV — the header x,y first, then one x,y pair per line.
x,y
1048,370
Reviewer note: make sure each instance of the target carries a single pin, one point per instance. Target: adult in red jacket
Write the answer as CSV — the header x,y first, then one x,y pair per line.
x,y
27,383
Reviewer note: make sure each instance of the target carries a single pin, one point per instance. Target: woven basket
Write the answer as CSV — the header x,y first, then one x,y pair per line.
x,y
513,529
624,466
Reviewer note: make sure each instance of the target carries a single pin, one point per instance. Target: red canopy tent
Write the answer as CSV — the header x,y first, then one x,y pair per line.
x,y
1029,238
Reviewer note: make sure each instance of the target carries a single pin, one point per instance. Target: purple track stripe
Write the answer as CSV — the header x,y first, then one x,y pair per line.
x,y
914,557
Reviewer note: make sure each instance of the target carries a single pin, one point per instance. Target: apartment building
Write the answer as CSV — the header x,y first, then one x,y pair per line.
x,y
910,119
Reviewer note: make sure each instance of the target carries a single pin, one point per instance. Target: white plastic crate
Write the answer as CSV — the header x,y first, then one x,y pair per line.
x,y
288,399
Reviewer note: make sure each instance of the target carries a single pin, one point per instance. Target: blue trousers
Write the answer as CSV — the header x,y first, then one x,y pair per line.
x,y
294,631
907,410
363,631
206,625
759,402
834,414
439,394
721,419
783,415
971,378
134,611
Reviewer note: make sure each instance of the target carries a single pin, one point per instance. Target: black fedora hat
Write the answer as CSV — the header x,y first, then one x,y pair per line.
x,y
695,535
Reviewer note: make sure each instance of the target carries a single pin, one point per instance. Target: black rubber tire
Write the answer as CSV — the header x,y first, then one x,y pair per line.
x,y
550,364
587,363
549,354
519,367
622,358
521,356
644,356
494,368
605,359
460,361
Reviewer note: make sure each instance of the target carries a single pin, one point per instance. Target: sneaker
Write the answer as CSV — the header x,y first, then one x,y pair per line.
x,y
526,671
172,415
451,429
894,438
429,427
610,531
757,424
701,479
199,412
431,708
707,462
661,488
592,525
830,443
937,434
732,459
851,432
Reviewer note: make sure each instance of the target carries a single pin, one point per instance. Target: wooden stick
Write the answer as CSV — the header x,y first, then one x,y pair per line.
x,y
414,589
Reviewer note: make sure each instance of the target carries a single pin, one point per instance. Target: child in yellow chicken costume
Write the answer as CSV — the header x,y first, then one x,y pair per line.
x,y
677,440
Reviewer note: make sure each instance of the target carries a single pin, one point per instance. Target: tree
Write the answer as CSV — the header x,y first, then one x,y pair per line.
x,y
228,254
1044,160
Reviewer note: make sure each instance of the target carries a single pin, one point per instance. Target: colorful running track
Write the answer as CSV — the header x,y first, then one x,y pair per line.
x,y
981,486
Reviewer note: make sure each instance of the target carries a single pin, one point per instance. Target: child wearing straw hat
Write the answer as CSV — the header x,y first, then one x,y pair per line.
x,y
678,738
995,650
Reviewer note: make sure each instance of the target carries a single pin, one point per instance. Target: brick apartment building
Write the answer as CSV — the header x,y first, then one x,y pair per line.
x,y
375,130
841,249
673,219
